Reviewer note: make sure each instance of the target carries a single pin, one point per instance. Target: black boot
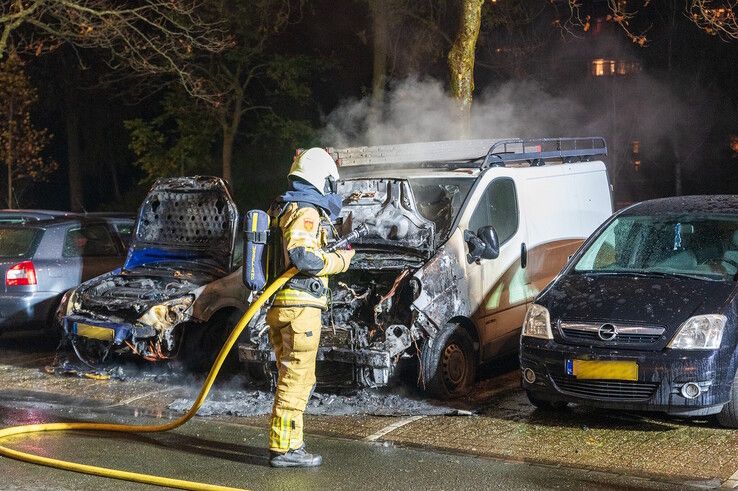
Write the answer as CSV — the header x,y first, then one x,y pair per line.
x,y
294,458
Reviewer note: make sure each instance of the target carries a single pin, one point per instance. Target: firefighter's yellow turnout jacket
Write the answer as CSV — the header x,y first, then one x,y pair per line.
x,y
305,232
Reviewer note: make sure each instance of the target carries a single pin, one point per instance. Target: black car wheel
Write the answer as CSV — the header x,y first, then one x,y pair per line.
x,y
728,416
545,405
448,363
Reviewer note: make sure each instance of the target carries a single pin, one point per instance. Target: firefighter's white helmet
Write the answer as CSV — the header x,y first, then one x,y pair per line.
x,y
315,165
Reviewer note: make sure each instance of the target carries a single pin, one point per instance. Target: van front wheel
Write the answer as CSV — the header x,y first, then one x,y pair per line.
x,y
448,363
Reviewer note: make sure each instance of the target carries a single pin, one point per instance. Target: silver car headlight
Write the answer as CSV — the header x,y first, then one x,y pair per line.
x,y
537,322
168,314
700,332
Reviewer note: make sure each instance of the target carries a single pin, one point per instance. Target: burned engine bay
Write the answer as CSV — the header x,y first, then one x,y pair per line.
x,y
370,309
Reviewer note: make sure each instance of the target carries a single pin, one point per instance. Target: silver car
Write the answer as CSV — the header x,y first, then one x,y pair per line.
x,y
45,253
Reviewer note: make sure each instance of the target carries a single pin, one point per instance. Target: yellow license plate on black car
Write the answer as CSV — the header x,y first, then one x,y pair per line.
x,y
602,369
95,332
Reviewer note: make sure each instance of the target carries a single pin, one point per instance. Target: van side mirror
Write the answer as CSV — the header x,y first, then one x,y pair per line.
x,y
482,245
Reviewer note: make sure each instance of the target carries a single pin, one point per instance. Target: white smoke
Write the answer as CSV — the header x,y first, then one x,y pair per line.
x,y
422,110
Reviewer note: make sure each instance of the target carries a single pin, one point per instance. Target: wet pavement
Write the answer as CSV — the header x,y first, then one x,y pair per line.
x,y
394,439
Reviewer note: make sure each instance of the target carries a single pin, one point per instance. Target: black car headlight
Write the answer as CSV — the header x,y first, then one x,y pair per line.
x,y
537,323
700,332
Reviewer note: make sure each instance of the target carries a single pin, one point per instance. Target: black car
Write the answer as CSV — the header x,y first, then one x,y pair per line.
x,y
644,315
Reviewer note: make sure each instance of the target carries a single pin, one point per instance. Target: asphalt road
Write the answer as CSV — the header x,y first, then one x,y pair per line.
x,y
234,455
493,440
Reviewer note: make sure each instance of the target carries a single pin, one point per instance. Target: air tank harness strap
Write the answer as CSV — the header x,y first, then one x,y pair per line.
x,y
313,286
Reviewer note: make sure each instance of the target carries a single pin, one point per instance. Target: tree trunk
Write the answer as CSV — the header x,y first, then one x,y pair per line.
x,y
229,136
380,40
9,156
461,60
114,180
73,157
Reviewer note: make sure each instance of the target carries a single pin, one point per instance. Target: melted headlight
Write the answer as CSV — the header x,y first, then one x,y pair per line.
x,y
168,314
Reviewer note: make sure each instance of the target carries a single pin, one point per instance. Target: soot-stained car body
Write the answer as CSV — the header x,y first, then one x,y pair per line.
x,y
178,284
462,235
644,317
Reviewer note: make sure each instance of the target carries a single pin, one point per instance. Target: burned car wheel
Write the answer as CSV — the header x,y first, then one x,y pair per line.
x,y
449,363
202,342
261,374
90,352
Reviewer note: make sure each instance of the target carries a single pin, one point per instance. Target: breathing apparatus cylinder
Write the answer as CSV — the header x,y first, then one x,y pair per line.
x,y
256,250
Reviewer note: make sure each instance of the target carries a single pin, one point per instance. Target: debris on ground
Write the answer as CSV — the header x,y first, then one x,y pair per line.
x,y
364,402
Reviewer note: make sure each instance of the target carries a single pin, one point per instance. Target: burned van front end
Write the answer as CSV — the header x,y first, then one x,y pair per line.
x,y
401,287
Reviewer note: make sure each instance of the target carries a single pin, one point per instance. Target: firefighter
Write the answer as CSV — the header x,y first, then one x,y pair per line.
x,y
305,214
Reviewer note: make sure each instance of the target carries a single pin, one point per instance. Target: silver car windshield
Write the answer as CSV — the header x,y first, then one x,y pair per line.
x,y
440,199
17,242
703,246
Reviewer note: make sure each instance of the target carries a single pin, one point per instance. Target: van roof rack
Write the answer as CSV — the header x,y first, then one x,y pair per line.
x,y
480,154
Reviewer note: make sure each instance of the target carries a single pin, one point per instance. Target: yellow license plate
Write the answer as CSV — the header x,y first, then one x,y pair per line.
x,y
94,332
605,370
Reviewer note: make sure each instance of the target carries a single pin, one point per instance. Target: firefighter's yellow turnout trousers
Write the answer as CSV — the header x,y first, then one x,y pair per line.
x,y
294,319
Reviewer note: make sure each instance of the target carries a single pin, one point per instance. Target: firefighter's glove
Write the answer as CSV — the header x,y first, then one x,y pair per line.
x,y
345,256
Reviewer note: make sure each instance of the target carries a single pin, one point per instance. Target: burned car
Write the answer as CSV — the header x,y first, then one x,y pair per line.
x,y
462,236
178,291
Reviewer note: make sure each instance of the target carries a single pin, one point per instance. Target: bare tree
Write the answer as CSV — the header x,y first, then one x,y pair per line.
x,y
719,18
21,143
715,17
152,37
243,76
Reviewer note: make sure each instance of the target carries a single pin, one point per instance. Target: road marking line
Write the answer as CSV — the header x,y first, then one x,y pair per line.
x,y
731,482
390,428
126,402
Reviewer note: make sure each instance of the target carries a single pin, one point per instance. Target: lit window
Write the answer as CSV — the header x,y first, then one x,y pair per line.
x,y
601,67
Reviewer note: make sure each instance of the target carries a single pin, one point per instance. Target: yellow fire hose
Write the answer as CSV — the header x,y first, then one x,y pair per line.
x,y
134,476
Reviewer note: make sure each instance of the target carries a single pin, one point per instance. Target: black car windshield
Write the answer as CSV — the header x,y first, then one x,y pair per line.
x,y
698,245
18,242
440,199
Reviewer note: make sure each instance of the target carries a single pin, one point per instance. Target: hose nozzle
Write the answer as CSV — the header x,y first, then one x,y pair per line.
x,y
357,233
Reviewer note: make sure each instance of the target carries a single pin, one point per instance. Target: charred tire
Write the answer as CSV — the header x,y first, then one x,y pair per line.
x,y
202,342
448,363
728,416
545,405
260,373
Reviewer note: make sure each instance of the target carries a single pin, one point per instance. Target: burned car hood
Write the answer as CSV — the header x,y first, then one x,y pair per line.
x,y
388,208
663,301
185,219
126,294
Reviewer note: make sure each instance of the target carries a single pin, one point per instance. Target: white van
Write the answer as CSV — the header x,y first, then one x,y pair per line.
x,y
463,236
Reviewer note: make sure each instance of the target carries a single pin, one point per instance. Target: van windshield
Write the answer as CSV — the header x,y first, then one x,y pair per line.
x,y
699,245
440,199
